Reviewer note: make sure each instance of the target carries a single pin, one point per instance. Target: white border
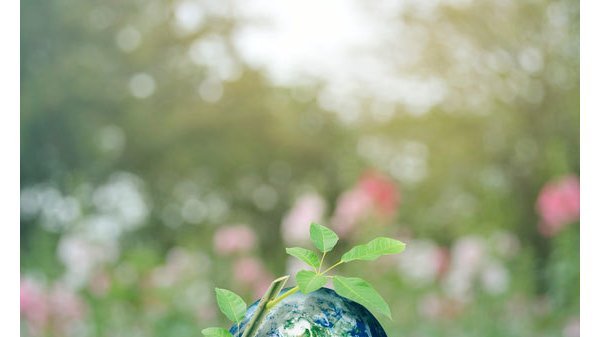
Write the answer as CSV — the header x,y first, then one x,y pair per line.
x,y
590,167
9,177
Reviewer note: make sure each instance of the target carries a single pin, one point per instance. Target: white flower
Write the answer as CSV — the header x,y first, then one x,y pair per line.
x,y
494,278
81,256
420,262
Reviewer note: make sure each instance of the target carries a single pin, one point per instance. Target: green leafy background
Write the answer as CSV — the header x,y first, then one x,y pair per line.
x,y
151,181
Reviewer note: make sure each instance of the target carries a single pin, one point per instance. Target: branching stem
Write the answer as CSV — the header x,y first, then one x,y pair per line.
x,y
335,265
321,263
280,298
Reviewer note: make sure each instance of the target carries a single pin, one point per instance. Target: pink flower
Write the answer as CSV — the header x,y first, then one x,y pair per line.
x,y
234,239
382,192
468,255
308,208
352,206
248,269
250,272
66,305
56,311
34,307
374,194
67,310
558,205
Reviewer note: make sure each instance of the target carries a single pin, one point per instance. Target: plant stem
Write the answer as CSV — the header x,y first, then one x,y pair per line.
x,y
280,298
269,300
261,309
321,264
335,265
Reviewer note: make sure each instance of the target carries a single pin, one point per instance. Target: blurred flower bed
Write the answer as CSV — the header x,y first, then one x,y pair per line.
x,y
159,161
102,290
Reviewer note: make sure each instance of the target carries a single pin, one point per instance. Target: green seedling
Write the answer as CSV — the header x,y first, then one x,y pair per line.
x,y
312,279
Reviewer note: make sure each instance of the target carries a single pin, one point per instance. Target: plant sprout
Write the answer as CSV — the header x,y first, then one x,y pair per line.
x,y
312,279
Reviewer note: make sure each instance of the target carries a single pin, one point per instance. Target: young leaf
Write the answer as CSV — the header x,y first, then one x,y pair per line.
x,y
216,332
232,305
362,292
322,237
374,249
309,281
308,256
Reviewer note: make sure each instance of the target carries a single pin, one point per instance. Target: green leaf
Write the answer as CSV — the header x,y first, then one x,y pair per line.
x,y
309,281
362,292
307,256
374,249
322,237
231,304
216,332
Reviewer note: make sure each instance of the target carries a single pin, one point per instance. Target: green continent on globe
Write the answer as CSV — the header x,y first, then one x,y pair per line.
x,y
322,313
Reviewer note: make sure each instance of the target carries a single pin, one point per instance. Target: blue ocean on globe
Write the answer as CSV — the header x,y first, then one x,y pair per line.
x,y
322,313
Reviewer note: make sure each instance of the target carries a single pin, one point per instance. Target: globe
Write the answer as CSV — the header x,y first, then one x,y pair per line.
x,y
322,313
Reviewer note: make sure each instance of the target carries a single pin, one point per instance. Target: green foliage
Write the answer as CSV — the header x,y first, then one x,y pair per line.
x,y
353,288
374,249
322,237
231,305
216,332
307,256
356,289
361,292
309,281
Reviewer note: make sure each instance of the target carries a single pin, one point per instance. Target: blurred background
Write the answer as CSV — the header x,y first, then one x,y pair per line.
x,y
168,147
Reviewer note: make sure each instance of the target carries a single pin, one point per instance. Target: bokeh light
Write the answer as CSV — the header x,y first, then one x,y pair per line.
x,y
168,148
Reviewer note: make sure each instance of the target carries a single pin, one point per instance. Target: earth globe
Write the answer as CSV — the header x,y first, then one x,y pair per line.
x,y
322,313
